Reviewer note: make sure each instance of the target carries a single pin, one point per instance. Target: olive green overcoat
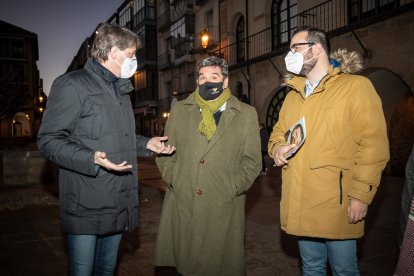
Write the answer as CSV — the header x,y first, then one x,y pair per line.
x,y
202,224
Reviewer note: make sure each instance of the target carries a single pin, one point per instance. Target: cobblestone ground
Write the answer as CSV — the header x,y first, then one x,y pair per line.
x,y
31,241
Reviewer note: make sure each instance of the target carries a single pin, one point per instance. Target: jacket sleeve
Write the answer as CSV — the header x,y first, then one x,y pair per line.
x,y
251,158
166,162
370,134
59,121
277,137
142,150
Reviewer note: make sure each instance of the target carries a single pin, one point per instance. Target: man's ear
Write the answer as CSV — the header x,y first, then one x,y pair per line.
x,y
226,82
113,53
317,49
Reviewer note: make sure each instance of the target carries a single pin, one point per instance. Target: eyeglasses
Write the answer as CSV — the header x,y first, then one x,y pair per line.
x,y
293,47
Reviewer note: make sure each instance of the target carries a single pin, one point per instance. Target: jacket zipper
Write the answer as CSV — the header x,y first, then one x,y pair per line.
x,y
340,187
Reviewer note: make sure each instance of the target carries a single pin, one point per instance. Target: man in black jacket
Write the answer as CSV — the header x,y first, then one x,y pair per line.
x,y
88,130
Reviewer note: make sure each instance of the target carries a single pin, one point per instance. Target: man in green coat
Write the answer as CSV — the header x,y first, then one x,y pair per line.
x,y
218,157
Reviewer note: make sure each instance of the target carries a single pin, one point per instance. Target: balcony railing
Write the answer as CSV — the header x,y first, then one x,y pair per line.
x,y
334,17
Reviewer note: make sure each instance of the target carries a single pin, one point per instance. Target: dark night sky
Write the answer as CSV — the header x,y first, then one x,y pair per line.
x,y
61,27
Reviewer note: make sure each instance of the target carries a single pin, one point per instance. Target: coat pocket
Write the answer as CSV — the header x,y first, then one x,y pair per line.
x,y
97,194
335,174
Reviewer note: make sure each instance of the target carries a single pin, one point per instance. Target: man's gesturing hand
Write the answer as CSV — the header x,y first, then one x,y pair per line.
x,y
101,160
156,144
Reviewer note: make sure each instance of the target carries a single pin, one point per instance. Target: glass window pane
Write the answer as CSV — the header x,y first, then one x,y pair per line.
x,y
283,16
283,5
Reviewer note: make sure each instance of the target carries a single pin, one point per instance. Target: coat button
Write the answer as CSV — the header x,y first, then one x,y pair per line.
x,y
202,161
199,191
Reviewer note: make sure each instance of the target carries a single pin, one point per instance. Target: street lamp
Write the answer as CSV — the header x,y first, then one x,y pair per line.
x,y
204,38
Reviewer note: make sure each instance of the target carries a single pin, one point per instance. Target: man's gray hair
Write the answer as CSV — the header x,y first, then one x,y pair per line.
x,y
112,35
214,61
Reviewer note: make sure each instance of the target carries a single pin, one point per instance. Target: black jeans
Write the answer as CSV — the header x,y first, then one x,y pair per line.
x,y
263,161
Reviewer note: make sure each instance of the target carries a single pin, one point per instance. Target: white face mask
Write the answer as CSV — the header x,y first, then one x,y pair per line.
x,y
129,67
294,61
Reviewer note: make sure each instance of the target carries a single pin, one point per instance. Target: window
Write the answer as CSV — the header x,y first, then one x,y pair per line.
x,y
140,80
140,4
125,15
284,21
361,9
182,36
12,48
240,40
178,28
275,105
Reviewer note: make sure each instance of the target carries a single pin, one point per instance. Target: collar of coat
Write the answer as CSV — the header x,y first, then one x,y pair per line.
x,y
345,62
125,85
232,103
298,83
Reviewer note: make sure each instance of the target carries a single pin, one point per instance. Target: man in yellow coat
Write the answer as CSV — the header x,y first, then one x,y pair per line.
x,y
218,157
328,183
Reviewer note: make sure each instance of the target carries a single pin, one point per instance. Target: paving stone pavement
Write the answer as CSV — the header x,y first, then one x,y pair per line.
x,y
31,241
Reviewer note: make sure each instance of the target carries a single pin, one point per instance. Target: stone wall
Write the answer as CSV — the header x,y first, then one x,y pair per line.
x,y
25,167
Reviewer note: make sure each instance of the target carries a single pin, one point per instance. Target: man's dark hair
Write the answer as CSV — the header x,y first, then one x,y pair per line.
x,y
315,36
112,35
214,61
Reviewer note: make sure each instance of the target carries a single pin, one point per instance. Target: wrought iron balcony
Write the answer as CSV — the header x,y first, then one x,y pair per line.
x,y
334,16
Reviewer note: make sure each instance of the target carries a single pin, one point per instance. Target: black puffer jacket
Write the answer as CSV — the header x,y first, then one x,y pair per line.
x,y
89,110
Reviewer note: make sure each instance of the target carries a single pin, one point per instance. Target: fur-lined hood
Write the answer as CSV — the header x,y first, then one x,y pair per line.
x,y
348,62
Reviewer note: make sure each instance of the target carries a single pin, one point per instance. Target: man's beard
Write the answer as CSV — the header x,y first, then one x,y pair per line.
x,y
308,66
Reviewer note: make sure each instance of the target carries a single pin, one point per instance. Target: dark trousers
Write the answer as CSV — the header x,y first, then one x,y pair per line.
x,y
263,161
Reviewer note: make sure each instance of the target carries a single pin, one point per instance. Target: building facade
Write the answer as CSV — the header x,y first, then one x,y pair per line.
x,y
253,37
21,97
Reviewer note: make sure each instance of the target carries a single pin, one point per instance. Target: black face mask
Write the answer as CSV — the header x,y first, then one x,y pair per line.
x,y
210,90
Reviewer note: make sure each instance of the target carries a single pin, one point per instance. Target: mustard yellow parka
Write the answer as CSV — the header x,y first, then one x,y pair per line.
x,y
345,151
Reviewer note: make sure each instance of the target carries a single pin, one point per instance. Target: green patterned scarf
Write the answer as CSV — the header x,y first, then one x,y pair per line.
x,y
207,126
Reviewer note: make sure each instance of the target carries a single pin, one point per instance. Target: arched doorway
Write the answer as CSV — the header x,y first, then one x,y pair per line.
x,y
272,114
21,125
398,105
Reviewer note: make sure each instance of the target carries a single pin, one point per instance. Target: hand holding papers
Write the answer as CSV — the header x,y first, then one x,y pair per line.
x,y
295,135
